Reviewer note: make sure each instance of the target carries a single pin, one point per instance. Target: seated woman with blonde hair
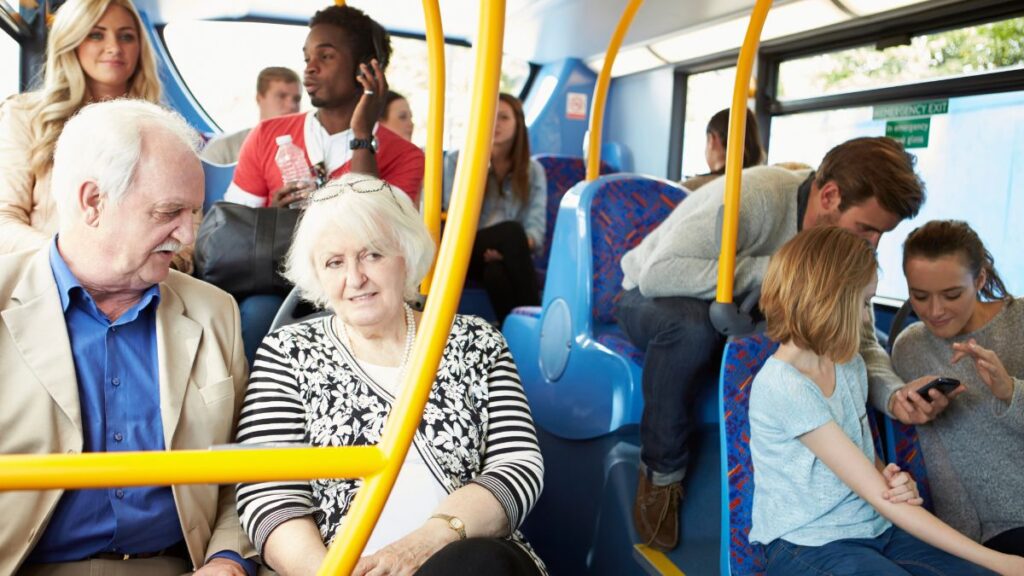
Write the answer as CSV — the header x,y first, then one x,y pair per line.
x,y
474,470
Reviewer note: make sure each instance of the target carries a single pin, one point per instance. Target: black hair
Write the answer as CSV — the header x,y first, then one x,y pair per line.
x,y
365,37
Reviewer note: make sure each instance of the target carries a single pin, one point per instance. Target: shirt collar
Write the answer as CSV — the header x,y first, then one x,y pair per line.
x,y
69,287
803,193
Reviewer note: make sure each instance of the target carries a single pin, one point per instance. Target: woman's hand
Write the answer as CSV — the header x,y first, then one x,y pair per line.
x,y
902,487
405,556
369,107
989,367
909,407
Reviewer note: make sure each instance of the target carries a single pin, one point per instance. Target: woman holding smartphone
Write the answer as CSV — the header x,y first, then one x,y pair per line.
x,y
971,329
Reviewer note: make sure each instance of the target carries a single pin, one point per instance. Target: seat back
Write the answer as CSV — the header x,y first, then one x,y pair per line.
x,y
741,361
624,210
561,173
217,178
904,448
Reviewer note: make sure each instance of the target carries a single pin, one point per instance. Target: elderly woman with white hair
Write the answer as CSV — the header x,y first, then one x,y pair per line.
x,y
474,470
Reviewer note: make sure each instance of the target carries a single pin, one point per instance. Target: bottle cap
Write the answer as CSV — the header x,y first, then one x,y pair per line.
x,y
281,140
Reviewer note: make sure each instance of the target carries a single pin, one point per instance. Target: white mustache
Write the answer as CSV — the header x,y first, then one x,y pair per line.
x,y
169,246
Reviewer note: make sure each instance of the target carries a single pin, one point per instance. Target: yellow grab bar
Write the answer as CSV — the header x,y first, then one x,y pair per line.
x,y
601,90
734,152
453,261
434,161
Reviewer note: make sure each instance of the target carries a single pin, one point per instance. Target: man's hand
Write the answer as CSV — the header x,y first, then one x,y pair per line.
x,y
902,487
909,407
221,567
370,105
990,368
290,192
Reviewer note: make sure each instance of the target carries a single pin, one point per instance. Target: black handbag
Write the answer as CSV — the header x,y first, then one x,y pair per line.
x,y
241,249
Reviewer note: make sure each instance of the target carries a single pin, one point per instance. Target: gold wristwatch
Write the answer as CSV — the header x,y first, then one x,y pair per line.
x,y
454,522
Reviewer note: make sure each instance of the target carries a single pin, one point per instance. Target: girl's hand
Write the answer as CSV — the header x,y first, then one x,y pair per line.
x,y
902,487
989,367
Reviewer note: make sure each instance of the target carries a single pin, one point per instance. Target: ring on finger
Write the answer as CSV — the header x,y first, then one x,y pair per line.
x,y
370,92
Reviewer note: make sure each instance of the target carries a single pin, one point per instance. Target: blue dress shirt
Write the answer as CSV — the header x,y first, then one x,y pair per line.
x,y
116,365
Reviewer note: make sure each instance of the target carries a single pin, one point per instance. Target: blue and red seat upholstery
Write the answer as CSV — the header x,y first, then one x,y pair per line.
x,y
904,448
742,360
581,374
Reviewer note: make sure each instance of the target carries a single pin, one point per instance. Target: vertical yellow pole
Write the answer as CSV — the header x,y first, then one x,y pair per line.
x,y
453,261
734,152
601,90
432,175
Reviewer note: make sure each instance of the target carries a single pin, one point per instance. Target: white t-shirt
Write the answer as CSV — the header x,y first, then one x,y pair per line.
x,y
416,493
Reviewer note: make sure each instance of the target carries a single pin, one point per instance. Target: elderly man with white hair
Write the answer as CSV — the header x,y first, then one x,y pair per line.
x,y
103,348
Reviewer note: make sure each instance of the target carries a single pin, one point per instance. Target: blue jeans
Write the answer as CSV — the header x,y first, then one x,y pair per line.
x,y
683,351
257,314
893,552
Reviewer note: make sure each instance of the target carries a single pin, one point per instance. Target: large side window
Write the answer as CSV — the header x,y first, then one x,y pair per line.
x,y
969,149
10,55
706,94
219,62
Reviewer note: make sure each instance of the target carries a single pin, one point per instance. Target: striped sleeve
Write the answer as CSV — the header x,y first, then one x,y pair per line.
x,y
272,413
513,468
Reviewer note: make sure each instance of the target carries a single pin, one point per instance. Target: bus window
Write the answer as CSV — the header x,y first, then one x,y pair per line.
x,y
10,55
971,50
706,94
219,62
971,167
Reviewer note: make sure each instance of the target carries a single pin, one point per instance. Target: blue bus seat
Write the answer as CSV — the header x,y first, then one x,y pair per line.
x,y
741,361
581,374
617,156
561,173
904,448
217,178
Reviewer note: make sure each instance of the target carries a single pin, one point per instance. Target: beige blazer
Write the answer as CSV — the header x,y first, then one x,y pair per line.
x,y
202,378
28,214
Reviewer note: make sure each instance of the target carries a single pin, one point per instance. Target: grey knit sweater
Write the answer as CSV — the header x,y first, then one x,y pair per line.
x,y
975,449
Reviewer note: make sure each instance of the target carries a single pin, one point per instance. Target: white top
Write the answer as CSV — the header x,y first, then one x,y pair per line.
x,y
416,493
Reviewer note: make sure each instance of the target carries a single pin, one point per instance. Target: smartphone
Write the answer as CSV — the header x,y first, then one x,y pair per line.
x,y
945,385
378,37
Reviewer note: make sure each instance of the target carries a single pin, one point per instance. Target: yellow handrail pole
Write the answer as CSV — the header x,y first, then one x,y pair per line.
x,y
434,166
734,153
103,469
437,319
601,90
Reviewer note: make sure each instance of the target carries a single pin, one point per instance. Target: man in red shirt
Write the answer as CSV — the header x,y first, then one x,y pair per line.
x,y
346,53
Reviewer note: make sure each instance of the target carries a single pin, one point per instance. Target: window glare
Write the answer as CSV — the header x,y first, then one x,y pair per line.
x,y
10,55
706,94
971,170
219,61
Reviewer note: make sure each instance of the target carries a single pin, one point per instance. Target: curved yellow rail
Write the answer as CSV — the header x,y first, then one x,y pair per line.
x,y
601,90
434,162
453,260
734,152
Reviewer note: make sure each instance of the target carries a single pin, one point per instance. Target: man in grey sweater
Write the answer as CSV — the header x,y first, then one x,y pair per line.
x,y
866,185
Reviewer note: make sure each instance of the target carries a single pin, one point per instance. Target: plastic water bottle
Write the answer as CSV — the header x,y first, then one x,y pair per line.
x,y
291,161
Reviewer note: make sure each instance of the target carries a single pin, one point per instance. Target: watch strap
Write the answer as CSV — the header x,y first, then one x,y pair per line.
x,y
454,523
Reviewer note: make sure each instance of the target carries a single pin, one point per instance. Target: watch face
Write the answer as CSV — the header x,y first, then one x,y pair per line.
x,y
455,523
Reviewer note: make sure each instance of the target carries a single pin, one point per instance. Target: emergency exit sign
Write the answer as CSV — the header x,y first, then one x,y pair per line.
x,y
910,133
910,109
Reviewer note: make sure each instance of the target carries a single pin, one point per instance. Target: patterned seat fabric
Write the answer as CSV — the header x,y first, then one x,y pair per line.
x,y
622,213
615,339
905,451
562,172
742,360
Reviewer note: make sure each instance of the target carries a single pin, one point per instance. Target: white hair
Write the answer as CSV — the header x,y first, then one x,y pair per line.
x,y
368,208
103,144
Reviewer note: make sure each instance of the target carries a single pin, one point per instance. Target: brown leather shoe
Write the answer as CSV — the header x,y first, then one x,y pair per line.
x,y
656,513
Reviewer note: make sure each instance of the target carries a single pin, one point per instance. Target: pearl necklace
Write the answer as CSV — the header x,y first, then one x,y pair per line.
x,y
410,337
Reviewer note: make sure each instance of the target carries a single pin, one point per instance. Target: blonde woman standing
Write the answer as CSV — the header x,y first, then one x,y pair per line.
x,y
96,51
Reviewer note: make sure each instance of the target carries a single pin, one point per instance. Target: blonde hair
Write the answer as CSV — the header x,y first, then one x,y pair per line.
x,y
812,293
367,208
64,88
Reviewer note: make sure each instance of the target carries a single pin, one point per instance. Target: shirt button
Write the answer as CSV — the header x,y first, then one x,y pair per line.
x,y
115,381
118,437
119,493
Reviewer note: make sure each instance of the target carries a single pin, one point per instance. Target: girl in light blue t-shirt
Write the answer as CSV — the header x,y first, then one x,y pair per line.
x,y
823,503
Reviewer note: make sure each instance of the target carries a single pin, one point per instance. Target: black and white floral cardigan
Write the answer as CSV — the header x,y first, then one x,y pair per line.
x,y
306,388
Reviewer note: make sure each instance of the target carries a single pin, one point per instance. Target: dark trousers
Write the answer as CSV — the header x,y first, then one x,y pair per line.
x,y
511,281
475,556
1009,542
892,553
682,353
